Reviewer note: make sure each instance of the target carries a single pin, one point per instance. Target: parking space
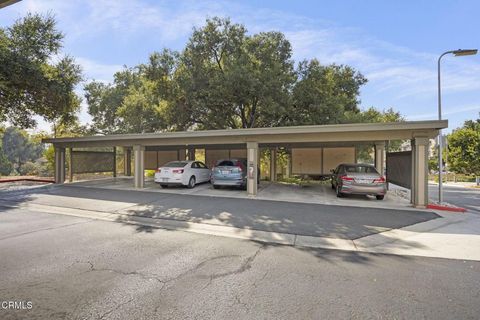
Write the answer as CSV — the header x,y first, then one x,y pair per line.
x,y
314,193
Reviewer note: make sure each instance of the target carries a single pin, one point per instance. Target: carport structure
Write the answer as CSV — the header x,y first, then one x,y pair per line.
x,y
181,145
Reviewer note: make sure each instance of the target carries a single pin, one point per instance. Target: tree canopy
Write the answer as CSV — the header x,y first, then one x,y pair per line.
x,y
34,79
464,148
17,148
228,78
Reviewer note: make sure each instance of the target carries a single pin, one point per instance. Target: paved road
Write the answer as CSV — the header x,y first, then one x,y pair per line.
x,y
76,268
272,216
468,198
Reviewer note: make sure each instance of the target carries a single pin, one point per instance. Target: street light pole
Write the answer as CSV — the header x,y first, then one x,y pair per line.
x,y
457,53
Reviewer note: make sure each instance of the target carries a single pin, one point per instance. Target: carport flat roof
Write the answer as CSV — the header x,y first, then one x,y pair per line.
x,y
315,133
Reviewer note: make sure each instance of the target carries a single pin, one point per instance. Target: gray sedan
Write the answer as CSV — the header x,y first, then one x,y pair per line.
x,y
358,179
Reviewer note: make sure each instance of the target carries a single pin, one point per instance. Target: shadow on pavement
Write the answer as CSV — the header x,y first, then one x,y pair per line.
x,y
317,220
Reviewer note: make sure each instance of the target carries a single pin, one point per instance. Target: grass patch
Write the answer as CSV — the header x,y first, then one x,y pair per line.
x,y
303,181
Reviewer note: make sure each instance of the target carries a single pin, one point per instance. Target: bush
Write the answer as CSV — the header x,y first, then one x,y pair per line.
x,y
44,168
149,173
29,169
6,166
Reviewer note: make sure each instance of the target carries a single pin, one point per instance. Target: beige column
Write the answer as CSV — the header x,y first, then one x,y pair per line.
x,y
252,170
70,166
288,170
273,164
380,157
59,165
412,181
114,162
139,166
420,170
127,161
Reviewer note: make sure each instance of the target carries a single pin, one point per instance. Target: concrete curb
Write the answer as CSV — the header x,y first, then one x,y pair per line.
x,y
404,241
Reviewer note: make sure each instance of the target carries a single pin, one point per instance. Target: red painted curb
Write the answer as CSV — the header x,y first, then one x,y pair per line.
x,y
26,179
445,208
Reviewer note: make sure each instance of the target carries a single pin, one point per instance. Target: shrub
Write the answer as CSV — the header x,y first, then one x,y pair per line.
x,y
29,169
5,165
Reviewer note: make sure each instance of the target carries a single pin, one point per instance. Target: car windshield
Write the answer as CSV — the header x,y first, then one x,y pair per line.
x,y
360,169
226,163
176,164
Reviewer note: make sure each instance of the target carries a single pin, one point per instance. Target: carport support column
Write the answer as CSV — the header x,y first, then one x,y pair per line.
x,y
59,164
127,161
139,166
273,164
380,157
252,170
70,166
420,172
114,153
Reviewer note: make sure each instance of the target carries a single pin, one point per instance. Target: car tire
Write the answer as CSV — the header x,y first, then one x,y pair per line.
x,y
380,197
338,192
216,187
191,183
164,186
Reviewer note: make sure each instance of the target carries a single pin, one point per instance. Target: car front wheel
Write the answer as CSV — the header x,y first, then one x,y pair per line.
x,y
164,186
380,197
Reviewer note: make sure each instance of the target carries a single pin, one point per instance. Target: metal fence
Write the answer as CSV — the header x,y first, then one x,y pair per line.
x,y
93,161
399,168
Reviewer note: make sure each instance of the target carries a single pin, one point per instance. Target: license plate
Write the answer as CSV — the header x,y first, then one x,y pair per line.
x,y
363,181
164,179
225,172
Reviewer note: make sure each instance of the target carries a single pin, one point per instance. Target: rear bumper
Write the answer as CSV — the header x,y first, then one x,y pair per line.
x,y
225,182
355,189
170,181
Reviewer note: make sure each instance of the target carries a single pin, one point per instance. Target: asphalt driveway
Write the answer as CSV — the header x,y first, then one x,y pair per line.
x,y
79,268
342,222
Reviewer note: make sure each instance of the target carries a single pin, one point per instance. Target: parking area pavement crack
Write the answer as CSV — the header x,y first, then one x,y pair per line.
x,y
144,276
118,306
247,264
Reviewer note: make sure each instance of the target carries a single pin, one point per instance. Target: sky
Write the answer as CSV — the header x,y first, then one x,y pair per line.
x,y
394,44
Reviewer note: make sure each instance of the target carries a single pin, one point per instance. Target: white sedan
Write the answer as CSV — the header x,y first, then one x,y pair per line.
x,y
185,173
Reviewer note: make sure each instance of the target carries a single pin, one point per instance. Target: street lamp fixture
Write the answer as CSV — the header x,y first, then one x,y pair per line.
x,y
465,52
456,53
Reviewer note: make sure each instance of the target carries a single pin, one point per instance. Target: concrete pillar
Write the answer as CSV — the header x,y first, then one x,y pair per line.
x,y
288,170
59,165
191,154
139,166
70,167
127,161
114,162
420,169
273,164
412,181
380,157
252,170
